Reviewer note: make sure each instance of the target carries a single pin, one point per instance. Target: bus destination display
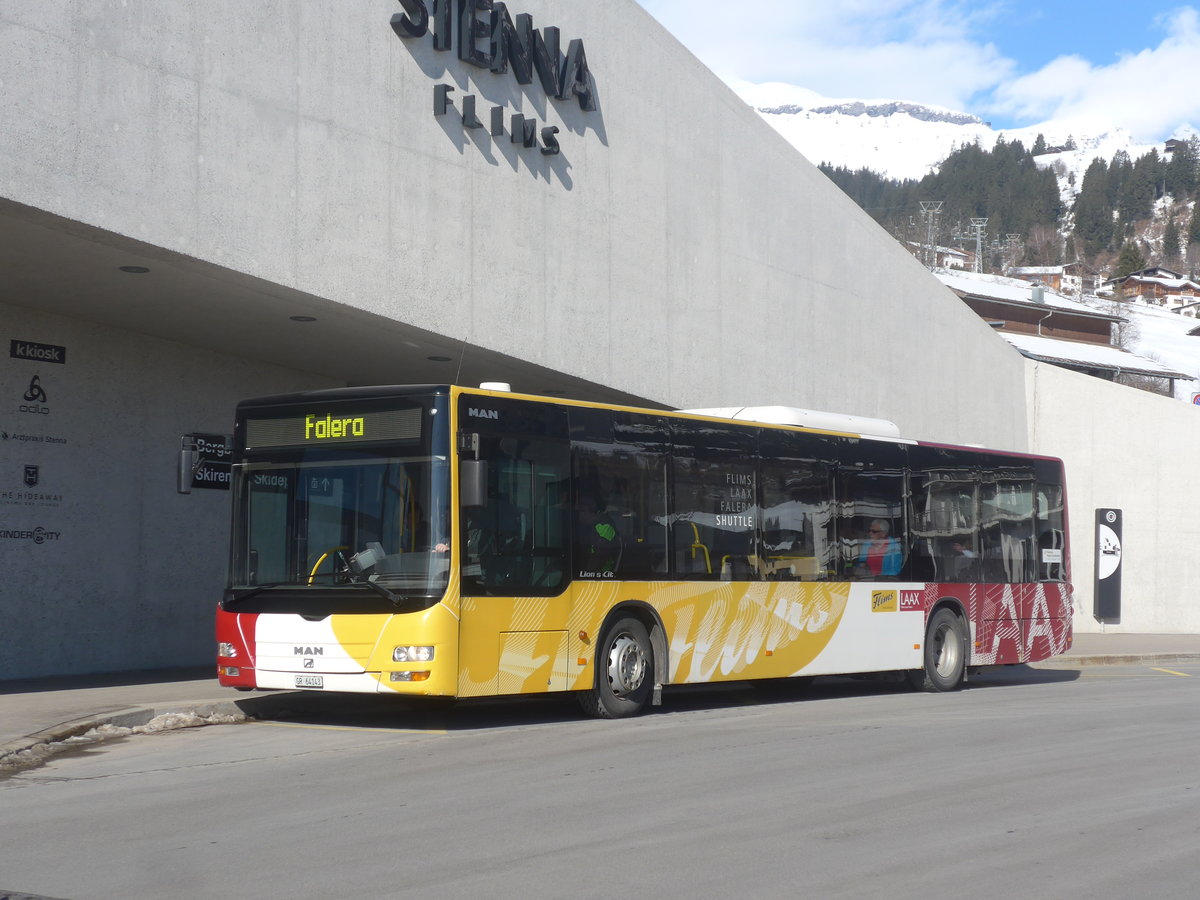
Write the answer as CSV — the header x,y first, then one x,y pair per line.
x,y
335,427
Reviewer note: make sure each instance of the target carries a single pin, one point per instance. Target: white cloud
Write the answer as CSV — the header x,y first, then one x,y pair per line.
x,y
1150,93
931,51
897,49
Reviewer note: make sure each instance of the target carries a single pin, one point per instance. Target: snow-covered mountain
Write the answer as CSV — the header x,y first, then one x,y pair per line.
x,y
908,140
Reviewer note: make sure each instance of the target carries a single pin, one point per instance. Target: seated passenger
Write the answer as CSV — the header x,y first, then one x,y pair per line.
x,y
962,562
880,554
598,543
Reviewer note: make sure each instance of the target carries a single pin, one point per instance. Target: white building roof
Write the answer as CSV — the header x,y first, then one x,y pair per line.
x,y
1176,282
1097,356
948,251
1039,270
1169,283
1013,290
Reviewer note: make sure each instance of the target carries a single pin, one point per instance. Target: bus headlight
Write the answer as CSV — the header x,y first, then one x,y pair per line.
x,y
226,650
412,654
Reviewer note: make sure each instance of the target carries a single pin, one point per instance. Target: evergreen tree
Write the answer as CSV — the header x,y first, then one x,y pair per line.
x,y
1182,175
1119,169
1171,243
1093,211
1136,199
1131,260
1039,145
1193,235
1194,152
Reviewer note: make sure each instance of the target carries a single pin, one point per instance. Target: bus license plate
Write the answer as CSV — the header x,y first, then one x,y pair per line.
x,y
310,681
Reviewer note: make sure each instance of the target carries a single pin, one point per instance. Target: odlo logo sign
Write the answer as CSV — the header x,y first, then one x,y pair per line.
x,y
35,396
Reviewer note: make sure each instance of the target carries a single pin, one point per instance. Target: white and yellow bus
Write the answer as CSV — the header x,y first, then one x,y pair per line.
x,y
451,542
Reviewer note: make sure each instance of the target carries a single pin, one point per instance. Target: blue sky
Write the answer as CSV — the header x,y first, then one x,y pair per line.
x,y
1135,64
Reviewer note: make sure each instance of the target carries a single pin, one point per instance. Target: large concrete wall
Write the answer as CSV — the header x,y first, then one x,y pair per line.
x,y
677,248
1129,450
105,566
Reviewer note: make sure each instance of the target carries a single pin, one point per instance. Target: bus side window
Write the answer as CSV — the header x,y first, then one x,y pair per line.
x,y
1051,534
619,502
951,525
797,519
1006,528
945,501
714,505
599,542
871,525
921,561
641,451
518,543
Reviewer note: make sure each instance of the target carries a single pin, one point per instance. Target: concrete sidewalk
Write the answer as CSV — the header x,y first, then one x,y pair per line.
x,y
39,718
1113,649
42,717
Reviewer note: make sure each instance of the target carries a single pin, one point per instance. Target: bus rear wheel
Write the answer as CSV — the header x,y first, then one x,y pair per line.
x,y
945,654
624,672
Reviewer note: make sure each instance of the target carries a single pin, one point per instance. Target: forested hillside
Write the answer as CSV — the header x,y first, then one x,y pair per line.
x,y
1120,213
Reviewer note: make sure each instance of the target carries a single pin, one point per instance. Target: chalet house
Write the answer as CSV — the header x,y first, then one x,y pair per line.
x,y
946,257
1157,286
1074,279
1050,276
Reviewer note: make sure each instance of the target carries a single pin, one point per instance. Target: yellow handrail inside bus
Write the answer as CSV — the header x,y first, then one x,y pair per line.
x,y
696,545
324,556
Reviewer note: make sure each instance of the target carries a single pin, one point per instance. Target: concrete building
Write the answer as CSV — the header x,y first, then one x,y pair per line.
x,y
207,201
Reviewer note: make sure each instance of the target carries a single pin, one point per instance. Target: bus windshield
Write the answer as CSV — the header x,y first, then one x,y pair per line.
x,y
340,518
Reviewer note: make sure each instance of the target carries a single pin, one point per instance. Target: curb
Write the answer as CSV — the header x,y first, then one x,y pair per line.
x,y
1119,659
35,749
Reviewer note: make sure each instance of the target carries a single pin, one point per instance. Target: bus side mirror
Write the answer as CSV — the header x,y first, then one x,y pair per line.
x,y
472,482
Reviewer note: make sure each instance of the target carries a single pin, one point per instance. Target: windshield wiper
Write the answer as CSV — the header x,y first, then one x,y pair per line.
x,y
382,591
247,594
396,599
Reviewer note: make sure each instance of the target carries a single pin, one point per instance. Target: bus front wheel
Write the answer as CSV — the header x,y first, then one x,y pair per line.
x,y
945,654
624,672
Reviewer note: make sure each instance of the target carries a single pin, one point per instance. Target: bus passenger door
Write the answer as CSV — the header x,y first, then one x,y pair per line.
x,y
514,568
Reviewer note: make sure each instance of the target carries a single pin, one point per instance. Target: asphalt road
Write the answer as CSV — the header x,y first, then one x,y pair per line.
x,y
1037,783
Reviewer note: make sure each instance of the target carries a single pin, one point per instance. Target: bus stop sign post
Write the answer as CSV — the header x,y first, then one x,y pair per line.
x,y
1107,603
